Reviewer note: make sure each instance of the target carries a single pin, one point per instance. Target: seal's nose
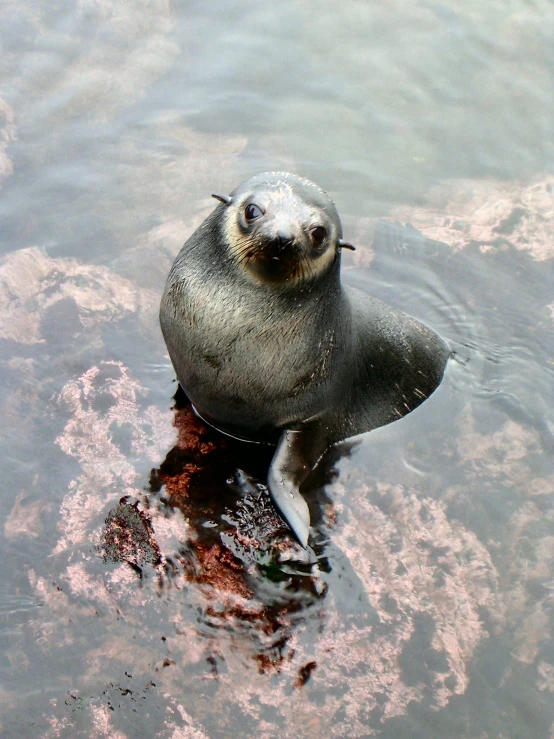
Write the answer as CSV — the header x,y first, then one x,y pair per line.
x,y
284,238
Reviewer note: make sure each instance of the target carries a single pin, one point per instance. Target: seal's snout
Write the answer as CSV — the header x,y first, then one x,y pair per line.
x,y
283,239
276,259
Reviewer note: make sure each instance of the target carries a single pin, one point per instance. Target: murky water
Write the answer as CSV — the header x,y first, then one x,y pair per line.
x,y
148,590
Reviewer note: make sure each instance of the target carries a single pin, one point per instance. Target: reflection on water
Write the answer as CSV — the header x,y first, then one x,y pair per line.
x,y
149,589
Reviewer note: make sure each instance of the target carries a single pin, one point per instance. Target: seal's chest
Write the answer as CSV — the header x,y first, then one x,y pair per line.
x,y
234,338
218,322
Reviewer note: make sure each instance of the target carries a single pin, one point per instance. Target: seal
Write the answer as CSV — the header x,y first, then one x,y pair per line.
x,y
270,347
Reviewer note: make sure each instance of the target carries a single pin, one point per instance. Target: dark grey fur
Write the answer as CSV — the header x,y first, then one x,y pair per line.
x,y
303,365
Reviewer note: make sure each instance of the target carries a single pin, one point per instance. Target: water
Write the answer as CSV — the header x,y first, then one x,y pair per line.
x,y
136,603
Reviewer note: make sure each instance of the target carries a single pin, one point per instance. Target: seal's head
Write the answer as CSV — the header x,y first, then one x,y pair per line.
x,y
281,229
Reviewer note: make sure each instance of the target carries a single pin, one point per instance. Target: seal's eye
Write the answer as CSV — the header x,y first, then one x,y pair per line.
x,y
252,212
318,235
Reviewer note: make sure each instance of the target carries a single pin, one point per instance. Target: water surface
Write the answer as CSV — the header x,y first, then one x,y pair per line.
x,y
137,599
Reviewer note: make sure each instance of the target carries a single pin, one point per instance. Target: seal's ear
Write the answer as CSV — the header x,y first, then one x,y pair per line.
x,y
346,245
223,199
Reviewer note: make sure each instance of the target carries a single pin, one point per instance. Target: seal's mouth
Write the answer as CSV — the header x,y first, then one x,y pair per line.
x,y
274,267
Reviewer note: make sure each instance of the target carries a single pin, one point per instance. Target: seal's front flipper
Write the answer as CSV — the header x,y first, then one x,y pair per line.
x,y
297,452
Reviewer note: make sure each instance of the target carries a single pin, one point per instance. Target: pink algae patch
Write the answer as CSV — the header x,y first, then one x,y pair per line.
x,y
31,282
413,563
490,212
26,517
190,730
106,471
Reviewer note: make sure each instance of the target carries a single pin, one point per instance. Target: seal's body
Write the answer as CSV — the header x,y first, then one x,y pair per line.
x,y
270,347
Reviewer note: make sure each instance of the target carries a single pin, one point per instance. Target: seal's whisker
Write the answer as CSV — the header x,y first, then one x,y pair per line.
x,y
242,250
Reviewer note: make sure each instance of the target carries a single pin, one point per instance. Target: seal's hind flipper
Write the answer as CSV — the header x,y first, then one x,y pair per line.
x,y
298,451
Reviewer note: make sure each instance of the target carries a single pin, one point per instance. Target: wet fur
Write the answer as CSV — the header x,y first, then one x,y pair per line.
x,y
311,366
